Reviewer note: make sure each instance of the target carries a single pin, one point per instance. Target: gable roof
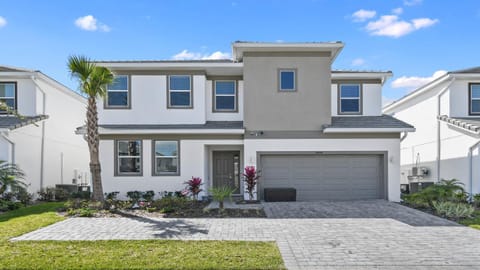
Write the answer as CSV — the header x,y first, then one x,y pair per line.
x,y
12,122
474,71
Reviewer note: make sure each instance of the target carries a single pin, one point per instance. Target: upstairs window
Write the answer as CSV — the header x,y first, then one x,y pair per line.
x,y
474,96
180,91
118,95
166,158
129,157
350,99
287,80
8,95
225,98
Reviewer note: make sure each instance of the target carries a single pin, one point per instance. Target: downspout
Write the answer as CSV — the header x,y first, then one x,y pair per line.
x,y
404,136
12,143
42,144
439,144
470,167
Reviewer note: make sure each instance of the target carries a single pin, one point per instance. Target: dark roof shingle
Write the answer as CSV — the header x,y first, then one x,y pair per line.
x,y
382,121
13,122
207,125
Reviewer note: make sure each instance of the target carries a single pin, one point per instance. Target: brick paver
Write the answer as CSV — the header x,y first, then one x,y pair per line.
x,y
305,243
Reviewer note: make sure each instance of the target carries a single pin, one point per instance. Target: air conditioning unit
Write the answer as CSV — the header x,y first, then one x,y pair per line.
x,y
420,171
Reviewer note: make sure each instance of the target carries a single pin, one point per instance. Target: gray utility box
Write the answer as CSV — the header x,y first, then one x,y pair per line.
x,y
280,194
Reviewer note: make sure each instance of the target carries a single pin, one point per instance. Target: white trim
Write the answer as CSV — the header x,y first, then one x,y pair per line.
x,y
367,130
170,131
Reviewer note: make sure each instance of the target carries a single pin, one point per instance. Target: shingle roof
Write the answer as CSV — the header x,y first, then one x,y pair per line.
x,y
383,121
14,122
207,125
166,61
467,70
470,124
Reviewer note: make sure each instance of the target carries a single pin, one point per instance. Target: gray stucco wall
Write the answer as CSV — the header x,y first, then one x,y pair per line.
x,y
308,108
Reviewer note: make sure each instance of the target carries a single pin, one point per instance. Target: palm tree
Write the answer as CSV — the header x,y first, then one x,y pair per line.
x,y
10,176
93,81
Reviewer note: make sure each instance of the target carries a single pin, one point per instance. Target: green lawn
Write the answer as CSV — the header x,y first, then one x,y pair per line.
x,y
473,222
149,254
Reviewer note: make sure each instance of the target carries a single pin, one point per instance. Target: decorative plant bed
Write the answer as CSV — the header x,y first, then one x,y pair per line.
x,y
248,202
217,213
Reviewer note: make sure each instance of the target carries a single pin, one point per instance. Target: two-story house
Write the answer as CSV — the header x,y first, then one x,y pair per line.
x,y
42,142
446,114
276,106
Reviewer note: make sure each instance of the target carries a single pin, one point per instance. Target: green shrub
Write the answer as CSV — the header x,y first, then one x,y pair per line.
x,y
171,204
6,205
443,191
50,194
219,194
453,210
148,195
476,200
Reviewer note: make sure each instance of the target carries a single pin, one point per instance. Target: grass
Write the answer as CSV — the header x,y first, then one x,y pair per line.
x,y
474,221
121,254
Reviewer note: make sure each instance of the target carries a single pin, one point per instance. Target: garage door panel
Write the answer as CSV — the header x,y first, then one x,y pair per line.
x,y
325,177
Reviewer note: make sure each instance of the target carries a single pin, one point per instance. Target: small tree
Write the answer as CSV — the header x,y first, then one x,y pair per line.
x,y
193,186
250,176
10,176
93,81
219,194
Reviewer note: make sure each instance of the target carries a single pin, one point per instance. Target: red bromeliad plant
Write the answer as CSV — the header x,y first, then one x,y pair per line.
x,y
193,186
251,178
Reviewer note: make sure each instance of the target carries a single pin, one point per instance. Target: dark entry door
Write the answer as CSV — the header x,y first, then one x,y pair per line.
x,y
226,169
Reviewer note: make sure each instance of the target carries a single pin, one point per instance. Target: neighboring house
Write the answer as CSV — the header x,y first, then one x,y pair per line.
x,y
276,106
42,142
446,115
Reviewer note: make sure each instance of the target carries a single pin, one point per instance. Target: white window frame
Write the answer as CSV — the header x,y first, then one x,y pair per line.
x,y
471,99
107,106
155,157
280,71
190,91
14,98
340,98
118,158
234,95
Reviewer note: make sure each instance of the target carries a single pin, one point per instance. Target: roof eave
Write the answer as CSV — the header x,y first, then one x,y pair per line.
x,y
367,130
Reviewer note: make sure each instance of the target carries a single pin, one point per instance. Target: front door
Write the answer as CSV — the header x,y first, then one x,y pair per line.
x,y
226,169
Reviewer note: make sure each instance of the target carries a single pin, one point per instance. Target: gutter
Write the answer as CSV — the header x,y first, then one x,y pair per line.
x,y
404,136
42,144
367,130
12,143
439,144
470,167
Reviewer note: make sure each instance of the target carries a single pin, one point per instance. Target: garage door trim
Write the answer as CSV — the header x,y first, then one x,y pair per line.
x,y
383,154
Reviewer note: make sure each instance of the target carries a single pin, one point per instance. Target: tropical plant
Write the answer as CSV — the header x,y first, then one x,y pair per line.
x,y
250,176
219,194
443,191
476,200
453,210
193,186
93,81
148,195
134,196
10,177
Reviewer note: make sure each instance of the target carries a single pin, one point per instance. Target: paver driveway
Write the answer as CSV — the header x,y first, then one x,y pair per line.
x,y
311,239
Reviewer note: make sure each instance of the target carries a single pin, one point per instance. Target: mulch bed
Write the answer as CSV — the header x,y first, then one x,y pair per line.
x,y
194,210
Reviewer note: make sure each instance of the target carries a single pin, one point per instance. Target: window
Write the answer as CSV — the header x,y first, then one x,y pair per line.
x,y
225,98
118,93
179,91
129,157
166,158
8,94
474,98
287,80
350,99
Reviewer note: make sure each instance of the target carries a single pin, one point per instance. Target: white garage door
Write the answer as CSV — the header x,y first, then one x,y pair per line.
x,y
325,177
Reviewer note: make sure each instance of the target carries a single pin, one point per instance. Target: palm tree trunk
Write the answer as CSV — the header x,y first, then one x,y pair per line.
x,y
93,142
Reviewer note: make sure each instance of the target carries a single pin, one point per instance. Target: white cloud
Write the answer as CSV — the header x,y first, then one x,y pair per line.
x,y
397,11
363,15
414,82
90,23
187,55
412,2
3,21
358,62
392,26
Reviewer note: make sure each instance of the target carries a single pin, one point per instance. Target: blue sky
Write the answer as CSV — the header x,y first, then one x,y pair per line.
x,y
415,39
